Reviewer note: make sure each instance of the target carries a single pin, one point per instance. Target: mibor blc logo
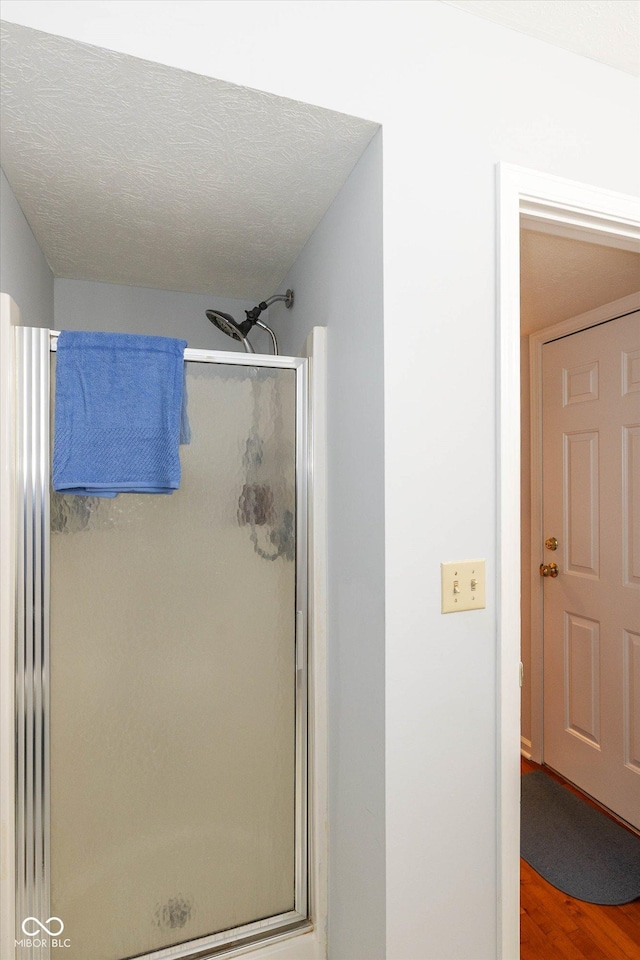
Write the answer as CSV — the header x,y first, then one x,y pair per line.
x,y
39,934
43,926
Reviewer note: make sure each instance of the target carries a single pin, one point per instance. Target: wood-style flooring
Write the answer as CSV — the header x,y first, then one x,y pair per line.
x,y
554,926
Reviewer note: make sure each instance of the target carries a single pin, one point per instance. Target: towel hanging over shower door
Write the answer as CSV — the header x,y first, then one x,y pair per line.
x,y
119,413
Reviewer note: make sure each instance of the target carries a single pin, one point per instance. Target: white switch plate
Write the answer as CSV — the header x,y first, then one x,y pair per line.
x,y
463,585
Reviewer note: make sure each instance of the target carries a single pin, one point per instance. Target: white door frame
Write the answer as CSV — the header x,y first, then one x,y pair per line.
x,y
562,207
583,321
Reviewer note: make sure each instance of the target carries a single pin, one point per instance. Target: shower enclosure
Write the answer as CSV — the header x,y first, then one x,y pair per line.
x,y
161,690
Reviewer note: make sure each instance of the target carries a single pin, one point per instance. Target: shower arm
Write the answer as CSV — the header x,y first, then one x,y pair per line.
x,y
255,312
286,297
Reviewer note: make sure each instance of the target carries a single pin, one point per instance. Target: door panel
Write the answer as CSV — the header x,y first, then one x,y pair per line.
x,y
631,505
591,504
631,684
173,684
581,503
582,668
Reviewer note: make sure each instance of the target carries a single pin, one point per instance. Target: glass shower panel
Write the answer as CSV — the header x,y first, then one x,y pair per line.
x,y
173,684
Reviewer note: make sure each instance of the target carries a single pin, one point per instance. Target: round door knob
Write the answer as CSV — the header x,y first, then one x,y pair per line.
x,y
549,570
551,543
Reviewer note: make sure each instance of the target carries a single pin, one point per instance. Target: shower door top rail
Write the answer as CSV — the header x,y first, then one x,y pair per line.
x,y
222,356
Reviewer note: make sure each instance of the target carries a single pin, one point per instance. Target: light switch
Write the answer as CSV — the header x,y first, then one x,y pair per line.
x,y
463,585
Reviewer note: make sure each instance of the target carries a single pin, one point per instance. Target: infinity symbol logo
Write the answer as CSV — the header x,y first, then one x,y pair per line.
x,y
43,927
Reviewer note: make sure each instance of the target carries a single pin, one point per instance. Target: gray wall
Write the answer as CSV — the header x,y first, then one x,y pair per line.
x,y
24,272
338,284
89,305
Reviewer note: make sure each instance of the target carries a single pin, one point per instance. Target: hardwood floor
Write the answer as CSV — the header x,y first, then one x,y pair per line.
x,y
554,926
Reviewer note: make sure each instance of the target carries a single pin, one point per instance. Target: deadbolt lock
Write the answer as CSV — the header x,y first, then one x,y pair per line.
x,y
551,543
549,570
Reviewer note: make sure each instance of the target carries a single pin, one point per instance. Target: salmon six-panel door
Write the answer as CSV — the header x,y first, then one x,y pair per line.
x,y
591,506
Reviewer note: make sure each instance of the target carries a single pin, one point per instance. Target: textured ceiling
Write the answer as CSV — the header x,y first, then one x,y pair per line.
x,y
562,278
135,173
604,30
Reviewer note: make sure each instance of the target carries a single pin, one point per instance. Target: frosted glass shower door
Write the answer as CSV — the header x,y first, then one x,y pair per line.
x,y
177,703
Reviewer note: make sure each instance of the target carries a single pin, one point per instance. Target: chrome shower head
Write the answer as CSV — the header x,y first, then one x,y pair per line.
x,y
226,323
239,331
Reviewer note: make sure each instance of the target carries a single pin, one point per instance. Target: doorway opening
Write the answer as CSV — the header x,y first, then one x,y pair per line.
x,y
576,400
579,212
566,285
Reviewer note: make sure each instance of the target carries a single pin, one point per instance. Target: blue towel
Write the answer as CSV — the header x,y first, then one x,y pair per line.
x,y
118,414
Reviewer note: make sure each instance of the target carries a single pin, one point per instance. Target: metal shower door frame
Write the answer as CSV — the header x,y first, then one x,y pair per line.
x,y
33,349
